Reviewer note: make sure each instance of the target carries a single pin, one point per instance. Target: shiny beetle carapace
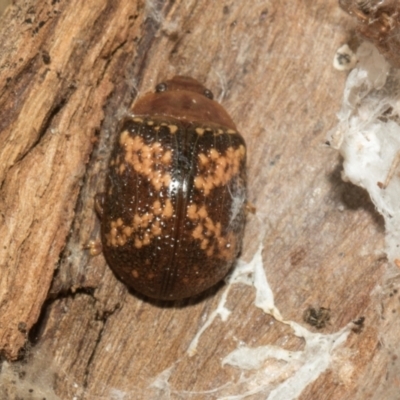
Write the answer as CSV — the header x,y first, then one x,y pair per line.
x,y
173,211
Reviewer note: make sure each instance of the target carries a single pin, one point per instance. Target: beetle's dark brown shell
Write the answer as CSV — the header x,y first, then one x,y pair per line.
x,y
172,214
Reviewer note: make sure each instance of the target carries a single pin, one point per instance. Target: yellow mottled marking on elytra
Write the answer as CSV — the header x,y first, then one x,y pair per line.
x,y
134,144
204,244
156,229
231,131
123,137
157,210
146,239
167,157
150,123
137,221
151,160
116,236
121,240
214,155
141,221
198,232
168,209
203,159
199,131
199,182
202,212
209,234
192,211
142,228
173,129
219,169
121,168
137,119
127,231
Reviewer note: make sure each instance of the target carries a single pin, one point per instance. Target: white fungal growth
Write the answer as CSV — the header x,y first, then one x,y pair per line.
x,y
300,368
368,137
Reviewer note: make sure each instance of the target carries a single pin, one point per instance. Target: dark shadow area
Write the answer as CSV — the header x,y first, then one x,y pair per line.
x,y
182,303
353,197
35,333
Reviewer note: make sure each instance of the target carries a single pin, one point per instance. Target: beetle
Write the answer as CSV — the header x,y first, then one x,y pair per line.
x,y
172,213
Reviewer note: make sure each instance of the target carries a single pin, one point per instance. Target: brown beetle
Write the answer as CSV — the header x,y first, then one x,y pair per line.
x,y
173,212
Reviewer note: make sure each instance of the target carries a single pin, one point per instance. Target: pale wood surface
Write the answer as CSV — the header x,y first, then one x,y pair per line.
x,y
3,5
68,72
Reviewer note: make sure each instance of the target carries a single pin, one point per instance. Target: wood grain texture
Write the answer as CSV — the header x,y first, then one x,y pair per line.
x,y
68,72
3,5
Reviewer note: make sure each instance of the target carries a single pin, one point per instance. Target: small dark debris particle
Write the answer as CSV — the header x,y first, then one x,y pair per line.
x,y
275,160
30,390
21,374
225,10
359,325
28,21
317,317
174,36
359,321
297,256
22,327
40,25
343,59
46,57
263,15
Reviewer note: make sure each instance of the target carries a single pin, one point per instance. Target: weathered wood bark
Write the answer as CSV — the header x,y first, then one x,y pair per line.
x,y
68,72
3,5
